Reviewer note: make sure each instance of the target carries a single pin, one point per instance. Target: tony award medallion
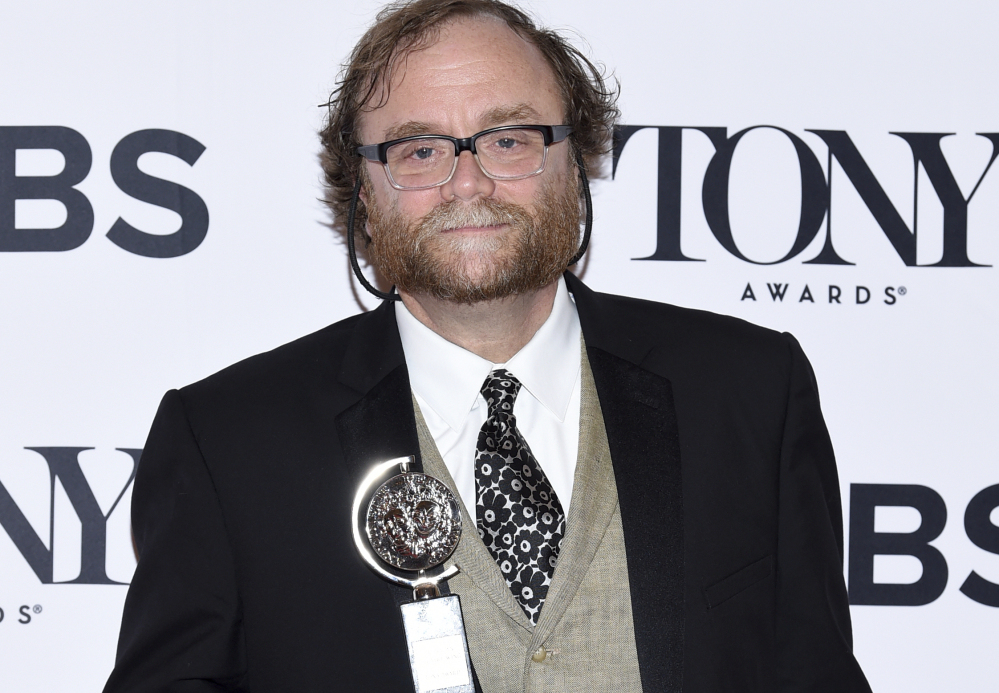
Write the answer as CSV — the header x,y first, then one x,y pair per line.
x,y
406,525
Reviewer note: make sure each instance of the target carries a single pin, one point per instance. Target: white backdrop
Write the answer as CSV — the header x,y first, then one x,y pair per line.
x,y
91,336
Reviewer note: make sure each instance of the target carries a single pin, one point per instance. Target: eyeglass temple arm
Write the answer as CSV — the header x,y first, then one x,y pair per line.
x,y
369,152
560,132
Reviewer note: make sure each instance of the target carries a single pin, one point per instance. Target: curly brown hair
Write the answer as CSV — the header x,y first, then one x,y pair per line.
x,y
403,27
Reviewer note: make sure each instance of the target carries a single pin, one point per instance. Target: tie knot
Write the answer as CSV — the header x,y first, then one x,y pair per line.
x,y
500,391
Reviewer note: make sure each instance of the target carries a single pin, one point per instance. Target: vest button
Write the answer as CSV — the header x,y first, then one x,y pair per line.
x,y
540,655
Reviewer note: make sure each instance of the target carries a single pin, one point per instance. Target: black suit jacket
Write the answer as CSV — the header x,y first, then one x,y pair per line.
x,y
248,578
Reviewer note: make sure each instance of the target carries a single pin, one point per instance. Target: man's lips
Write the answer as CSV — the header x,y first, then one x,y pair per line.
x,y
475,229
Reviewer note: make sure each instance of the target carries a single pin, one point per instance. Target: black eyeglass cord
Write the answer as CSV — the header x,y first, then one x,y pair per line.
x,y
352,251
581,165
394,296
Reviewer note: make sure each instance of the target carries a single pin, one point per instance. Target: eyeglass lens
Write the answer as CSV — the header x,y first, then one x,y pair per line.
x,y
428,161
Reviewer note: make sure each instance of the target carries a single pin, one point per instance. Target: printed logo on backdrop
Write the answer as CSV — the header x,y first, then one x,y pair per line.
x,y
25,613
816,188
125,172
63,465
866,543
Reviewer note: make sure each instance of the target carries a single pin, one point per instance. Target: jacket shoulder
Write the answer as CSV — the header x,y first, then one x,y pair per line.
x,y
314,357
652,326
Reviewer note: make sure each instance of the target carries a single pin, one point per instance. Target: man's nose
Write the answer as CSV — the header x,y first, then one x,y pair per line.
x,y
468,181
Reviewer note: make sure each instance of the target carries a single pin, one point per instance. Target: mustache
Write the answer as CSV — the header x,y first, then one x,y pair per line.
x,y
455,215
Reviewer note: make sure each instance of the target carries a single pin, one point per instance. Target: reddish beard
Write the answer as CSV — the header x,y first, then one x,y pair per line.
x,y
420,257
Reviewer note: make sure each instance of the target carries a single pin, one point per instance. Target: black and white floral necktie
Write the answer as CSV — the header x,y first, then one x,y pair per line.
x,y
518,515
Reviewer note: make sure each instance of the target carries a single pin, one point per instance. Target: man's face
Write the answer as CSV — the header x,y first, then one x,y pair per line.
x,y
473,238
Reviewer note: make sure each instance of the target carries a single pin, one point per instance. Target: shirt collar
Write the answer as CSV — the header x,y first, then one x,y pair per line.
x,y
448,377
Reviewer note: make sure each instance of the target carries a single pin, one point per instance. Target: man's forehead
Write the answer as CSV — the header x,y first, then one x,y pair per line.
x,y
467,39
478,65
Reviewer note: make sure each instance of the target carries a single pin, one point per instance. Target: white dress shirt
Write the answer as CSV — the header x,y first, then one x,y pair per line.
x,y
446,380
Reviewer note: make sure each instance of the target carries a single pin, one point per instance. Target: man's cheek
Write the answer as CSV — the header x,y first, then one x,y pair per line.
x,y
415,205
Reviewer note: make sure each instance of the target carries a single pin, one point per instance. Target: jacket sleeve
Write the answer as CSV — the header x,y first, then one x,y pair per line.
x,y
814,640
181,628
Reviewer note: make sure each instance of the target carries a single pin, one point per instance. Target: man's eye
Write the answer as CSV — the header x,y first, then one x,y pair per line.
x,y
506,143
423,153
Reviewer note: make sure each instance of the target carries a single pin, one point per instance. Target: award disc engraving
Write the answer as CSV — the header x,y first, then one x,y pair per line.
x,y
413,522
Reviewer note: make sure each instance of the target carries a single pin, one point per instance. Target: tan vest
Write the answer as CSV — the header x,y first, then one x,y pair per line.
x,y
585,637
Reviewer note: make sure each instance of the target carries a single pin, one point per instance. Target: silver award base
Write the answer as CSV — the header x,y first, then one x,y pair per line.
x,y
438,650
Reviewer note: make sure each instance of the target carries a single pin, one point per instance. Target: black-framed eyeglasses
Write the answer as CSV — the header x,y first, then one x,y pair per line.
x,y
511,152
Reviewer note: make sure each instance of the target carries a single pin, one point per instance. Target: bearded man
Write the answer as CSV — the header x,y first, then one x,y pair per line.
x,y
653,488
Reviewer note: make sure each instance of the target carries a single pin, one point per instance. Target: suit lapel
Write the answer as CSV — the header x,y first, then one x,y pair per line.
x,y
640,419
380,425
